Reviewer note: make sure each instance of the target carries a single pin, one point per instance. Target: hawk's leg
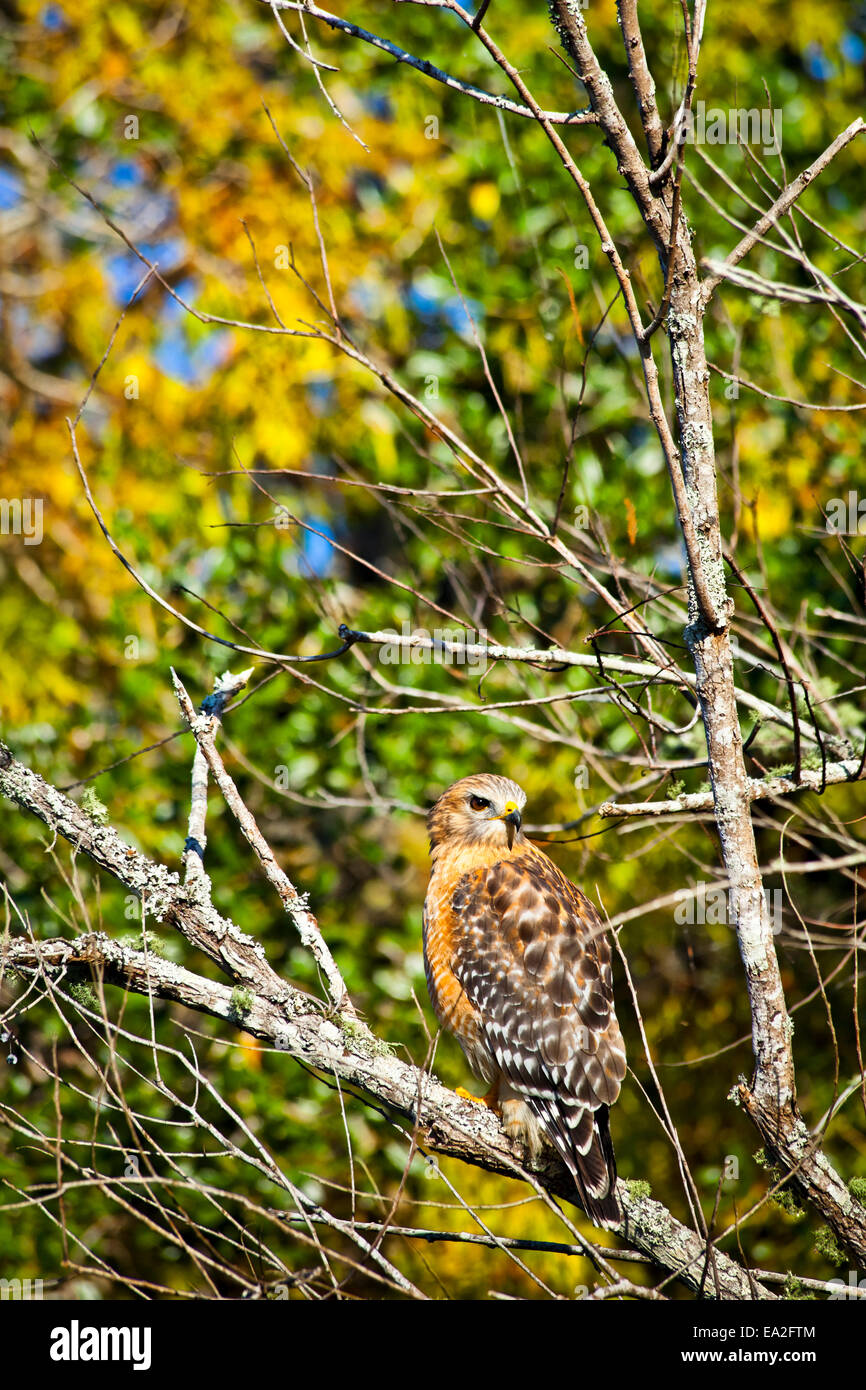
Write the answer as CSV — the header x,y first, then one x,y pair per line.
x,y
518,1121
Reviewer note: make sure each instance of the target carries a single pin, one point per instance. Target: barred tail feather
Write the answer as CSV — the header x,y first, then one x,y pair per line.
x,y
582,1138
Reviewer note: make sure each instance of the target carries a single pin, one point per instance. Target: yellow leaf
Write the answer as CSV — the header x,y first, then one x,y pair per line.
x,y
484,201
631,520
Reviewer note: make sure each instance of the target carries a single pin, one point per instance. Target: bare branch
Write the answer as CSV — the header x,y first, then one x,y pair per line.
x,y
667,674
759,789
785,200
448,1125
204,728
304,7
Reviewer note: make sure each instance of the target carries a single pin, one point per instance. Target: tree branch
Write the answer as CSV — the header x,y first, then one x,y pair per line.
x,y
466,89
759,788
203,728
641,77
558,656
446,1124
166,898
785,200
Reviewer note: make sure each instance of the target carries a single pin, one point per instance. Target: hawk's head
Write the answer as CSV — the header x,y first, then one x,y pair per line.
x,y
483,809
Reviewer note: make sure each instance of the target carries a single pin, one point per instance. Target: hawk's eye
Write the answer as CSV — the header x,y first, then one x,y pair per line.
x,y
478,803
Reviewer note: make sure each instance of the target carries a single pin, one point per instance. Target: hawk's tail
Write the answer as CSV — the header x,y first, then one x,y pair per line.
x,y
582,1138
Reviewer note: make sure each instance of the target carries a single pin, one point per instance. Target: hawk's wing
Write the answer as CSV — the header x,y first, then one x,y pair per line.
x,y
534,960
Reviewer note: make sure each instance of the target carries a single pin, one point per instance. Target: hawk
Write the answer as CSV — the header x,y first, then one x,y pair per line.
x,y
518,968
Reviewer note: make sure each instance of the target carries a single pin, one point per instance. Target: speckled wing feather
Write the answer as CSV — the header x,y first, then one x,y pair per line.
x,y
531,953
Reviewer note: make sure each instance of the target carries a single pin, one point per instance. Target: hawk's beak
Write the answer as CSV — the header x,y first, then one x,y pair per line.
x,y
511,817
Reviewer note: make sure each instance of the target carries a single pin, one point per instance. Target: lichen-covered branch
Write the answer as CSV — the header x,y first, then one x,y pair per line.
x,y
165,898
772,1092
445,1123
204,727
759,788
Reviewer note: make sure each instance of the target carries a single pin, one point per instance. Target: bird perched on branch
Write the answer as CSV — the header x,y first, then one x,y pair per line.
x,y
518,968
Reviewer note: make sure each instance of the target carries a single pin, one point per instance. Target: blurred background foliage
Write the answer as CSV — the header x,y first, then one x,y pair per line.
x,y
158,111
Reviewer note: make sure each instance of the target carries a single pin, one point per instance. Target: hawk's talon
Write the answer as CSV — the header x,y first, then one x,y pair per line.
x,y
490,1098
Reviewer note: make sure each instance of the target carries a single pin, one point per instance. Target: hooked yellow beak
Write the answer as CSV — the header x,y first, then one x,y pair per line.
x,y
510,814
